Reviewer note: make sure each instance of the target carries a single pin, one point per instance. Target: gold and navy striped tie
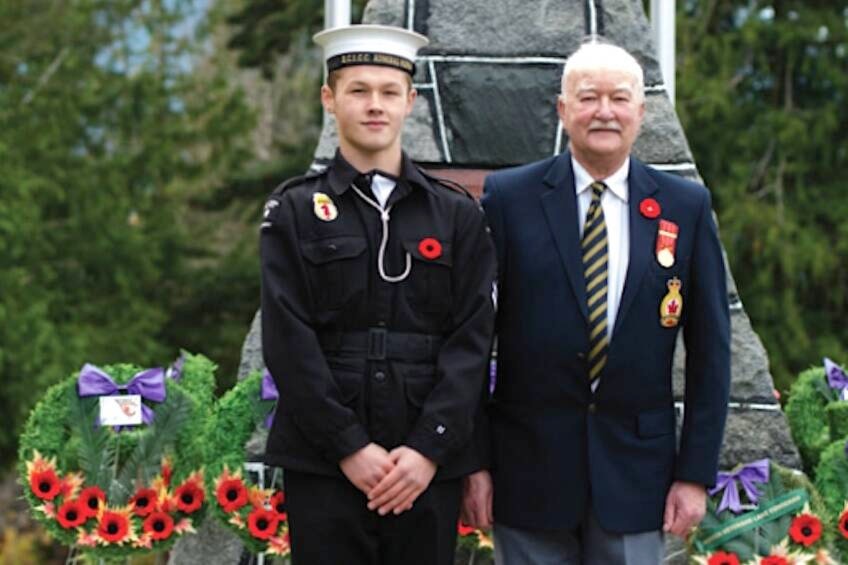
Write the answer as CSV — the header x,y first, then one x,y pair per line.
x,y
595,271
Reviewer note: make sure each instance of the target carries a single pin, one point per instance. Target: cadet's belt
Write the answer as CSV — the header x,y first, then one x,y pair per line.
x,y
378,344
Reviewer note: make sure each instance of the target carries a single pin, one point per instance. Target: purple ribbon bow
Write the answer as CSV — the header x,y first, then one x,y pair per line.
x,y
175,371
149,384
836,377
748,476
269,392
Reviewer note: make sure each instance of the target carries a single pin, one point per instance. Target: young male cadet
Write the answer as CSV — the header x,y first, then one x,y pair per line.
x,y
602,260
377,320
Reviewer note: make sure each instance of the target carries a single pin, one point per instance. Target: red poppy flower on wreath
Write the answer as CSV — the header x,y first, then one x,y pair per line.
x,y
430,248
189,496
774,560
45,484
262,523
650,208
464,530
723,558
230,492
843,523
143,502
159,525
805,529
91,498
114,526
278,504
71,514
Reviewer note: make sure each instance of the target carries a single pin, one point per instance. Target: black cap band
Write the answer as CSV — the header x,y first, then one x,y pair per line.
x,y
379,59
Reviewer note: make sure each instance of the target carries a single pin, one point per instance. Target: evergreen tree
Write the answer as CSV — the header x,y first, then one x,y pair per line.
x,y
105,135
761,94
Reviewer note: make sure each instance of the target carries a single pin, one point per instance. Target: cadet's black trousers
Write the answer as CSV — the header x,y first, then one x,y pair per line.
x,y
330,524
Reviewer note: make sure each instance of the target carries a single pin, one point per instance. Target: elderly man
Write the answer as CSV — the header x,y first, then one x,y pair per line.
x,y
602,260
377,320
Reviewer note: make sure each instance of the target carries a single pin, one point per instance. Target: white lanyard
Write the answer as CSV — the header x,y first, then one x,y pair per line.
x,y
384,217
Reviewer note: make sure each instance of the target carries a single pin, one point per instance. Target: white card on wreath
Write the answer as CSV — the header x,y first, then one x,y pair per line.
x,y
122,410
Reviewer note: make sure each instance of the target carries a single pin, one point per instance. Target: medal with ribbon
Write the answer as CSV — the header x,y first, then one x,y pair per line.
x,y
667,243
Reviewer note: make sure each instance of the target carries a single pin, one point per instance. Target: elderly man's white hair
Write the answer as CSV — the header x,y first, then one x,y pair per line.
x,y
607,57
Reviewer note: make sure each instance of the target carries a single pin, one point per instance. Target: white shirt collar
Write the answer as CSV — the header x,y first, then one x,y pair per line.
x,y
616,182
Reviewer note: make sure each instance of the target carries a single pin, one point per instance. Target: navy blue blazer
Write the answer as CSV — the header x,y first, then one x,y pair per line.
x,y
556,446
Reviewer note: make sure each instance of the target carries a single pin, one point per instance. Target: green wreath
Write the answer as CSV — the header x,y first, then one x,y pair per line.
x,y
832,483
787,516
119,492
255,514
807,413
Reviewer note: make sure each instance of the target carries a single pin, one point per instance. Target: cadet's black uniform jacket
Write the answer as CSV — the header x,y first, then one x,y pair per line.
x,y
357,359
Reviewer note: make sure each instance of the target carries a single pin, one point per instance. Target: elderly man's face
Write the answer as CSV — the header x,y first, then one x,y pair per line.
x,y
602,112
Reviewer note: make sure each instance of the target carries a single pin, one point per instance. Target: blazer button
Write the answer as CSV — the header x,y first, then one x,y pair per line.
x,y
380,376
592,408
581,356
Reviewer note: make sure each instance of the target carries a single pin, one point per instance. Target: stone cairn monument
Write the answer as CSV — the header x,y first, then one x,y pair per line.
x,y
487,87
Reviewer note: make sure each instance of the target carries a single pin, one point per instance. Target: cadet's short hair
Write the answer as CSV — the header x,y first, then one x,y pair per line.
x,y
604,56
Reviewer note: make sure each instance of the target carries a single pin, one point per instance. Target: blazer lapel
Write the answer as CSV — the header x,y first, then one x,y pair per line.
x,y
642,233
560,207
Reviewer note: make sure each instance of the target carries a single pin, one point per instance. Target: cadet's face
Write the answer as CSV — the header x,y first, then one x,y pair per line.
x,y
602,113
370,104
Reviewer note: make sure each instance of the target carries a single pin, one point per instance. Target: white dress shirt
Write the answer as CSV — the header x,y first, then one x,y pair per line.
x,y
382,188
617,218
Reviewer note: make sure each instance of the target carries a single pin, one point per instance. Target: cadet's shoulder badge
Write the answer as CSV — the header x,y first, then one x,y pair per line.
x,y
324,207
269,207
446,183
269,212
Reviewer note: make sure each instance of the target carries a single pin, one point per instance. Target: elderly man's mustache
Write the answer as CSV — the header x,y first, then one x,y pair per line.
x,y
604,125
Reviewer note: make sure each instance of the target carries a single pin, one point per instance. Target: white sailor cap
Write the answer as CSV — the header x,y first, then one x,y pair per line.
x,y
370,45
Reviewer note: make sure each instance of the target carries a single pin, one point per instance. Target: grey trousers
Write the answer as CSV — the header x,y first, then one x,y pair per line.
x,y
587,545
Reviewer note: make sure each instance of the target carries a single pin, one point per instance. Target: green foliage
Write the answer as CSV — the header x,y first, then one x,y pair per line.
x,y
113,117
807,416
761,94
832,483
237,416
837,417
267,29
832,477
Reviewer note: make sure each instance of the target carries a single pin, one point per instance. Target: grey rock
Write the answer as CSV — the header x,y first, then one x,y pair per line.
x,y
661,139
251,349
495,103
504,27
624,23
213,544
756,434
385,12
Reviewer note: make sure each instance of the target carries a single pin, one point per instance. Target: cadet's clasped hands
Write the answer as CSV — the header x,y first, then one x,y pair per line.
x,y
392,480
